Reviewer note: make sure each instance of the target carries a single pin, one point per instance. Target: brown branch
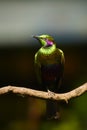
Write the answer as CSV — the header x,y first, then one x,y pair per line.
x,y
44,95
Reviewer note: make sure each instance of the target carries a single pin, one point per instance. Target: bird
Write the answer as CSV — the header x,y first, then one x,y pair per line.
x,y
49,67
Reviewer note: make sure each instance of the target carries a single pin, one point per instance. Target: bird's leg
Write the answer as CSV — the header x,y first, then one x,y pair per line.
x,y
52,107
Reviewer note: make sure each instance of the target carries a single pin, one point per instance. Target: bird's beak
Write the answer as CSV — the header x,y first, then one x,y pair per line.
x,y
36,37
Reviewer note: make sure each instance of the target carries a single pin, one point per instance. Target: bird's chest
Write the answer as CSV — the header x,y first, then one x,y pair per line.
x,y
50,73
50,70
46,59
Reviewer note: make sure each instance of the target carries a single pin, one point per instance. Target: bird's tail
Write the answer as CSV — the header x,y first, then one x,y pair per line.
x,y
52,110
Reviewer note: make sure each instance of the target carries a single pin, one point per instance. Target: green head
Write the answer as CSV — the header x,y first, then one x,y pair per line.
x,y
45,40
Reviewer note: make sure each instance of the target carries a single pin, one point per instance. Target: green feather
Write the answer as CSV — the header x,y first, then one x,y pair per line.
x,y
49,55
41,58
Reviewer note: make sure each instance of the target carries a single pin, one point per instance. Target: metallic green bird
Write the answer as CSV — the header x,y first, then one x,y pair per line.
x,y
49,66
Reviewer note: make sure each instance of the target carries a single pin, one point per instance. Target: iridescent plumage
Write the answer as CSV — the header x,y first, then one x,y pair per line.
x,y
49,63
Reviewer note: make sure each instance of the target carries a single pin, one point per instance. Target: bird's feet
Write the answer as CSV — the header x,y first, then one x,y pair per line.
x,y
50,93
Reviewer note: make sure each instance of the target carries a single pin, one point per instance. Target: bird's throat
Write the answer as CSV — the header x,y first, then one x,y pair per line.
x,y
48,50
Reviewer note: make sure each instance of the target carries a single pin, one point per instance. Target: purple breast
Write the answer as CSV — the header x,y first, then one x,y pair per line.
x,y
50,73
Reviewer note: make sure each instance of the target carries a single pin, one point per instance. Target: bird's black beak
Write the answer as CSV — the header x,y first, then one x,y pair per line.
x,y
36,37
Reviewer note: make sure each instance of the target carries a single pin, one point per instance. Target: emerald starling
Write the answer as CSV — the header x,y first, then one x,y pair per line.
x,y
49,66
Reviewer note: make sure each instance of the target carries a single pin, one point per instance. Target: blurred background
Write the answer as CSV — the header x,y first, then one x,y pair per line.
x,y
66,21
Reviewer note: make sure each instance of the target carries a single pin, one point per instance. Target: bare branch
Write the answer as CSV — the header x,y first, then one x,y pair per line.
x,y
44,95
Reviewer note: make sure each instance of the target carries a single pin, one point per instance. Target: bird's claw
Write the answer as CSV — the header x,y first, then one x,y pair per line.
x,y
50,93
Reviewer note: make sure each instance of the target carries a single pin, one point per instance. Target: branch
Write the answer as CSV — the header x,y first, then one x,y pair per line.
x,y
44,95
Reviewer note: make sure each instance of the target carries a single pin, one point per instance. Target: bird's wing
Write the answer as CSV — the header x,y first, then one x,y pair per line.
x,y
38,68
62,65
62,57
